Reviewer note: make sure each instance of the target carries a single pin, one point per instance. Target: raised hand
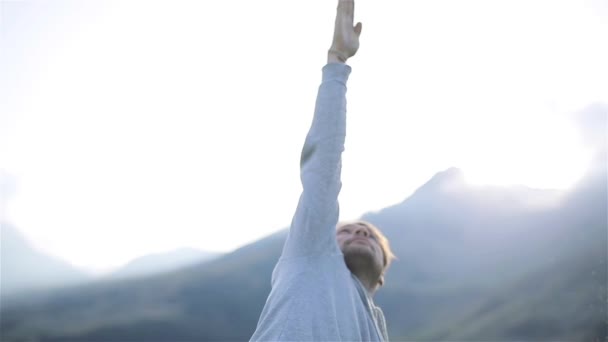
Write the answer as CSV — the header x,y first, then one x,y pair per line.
x,y
346,36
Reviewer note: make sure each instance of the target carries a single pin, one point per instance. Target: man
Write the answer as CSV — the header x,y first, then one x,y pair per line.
x,y
322,286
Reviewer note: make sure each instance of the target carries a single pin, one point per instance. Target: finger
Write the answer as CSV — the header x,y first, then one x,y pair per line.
x,y
347,9
358,28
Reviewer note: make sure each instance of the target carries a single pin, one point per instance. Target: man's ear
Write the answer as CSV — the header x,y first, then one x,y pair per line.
x,y
381,280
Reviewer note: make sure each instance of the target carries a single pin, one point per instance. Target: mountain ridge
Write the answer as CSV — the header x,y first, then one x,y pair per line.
x,y
460,259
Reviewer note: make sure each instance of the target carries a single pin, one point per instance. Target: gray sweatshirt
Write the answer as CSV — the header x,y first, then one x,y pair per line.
x,y
314,296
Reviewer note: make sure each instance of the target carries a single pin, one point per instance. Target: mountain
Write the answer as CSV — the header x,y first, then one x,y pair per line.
x,y
503,268
216,300
162,262
474,263
24,269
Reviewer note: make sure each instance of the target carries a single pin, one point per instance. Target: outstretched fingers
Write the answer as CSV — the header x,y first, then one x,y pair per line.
x,y
346,35
346,9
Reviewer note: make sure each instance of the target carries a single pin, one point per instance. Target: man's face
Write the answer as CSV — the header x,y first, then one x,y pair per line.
x,y
357,240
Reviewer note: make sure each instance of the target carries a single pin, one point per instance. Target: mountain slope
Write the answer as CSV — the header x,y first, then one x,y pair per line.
x,y
24,269
200,302
162,262
564,297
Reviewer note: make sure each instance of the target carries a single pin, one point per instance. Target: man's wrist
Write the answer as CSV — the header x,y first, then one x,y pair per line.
x,y
335,57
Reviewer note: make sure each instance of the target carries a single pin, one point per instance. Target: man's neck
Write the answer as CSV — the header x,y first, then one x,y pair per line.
x,y
368,283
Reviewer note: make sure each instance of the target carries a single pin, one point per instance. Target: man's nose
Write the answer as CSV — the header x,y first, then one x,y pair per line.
x,y
361,231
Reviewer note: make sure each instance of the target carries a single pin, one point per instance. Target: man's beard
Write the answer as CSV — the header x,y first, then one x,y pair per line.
x,y
362,263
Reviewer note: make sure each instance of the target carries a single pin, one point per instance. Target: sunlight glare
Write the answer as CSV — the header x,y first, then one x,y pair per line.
x,y
542,154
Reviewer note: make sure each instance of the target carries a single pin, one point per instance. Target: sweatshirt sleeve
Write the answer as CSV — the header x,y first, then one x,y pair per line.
x,y
312,230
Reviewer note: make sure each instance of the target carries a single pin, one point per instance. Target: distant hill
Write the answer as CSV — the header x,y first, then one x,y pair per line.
x,y
162,262
474,263
23,268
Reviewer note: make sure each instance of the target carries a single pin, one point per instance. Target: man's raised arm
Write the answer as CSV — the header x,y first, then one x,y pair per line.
x,y
312,230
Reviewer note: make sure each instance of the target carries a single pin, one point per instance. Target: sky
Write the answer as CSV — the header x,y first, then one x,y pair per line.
x,y
136,127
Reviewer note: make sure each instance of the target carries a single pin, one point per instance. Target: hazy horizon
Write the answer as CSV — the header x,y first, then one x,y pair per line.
x,y
555,197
